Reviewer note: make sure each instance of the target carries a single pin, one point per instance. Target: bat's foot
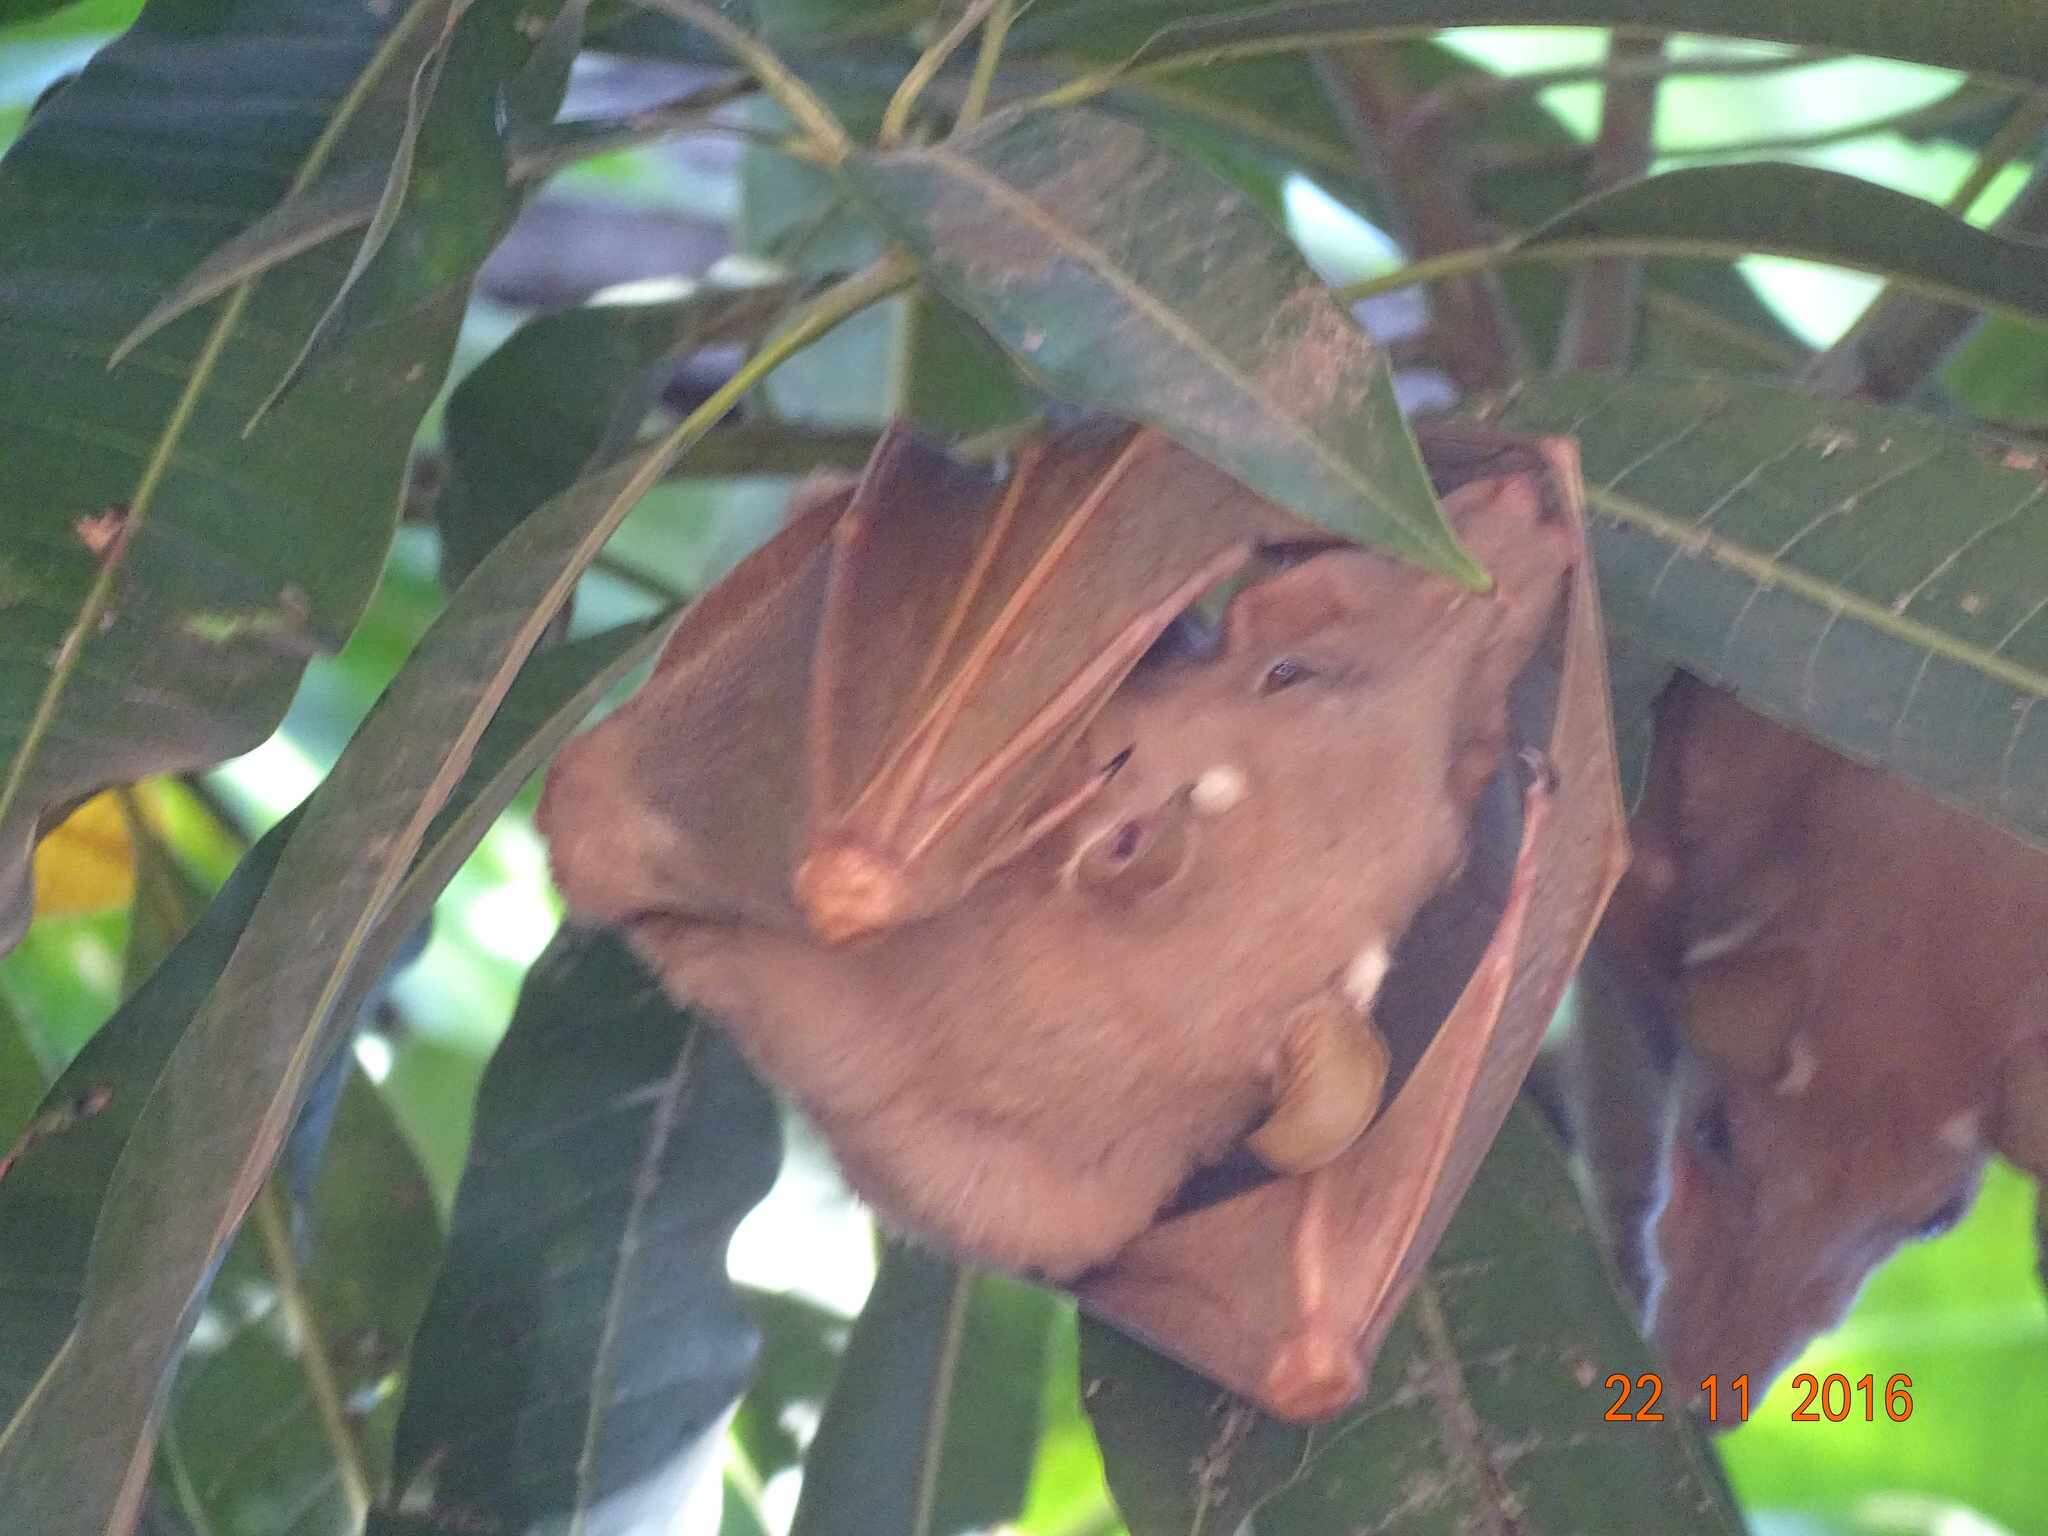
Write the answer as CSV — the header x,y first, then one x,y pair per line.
x,y
1330,1079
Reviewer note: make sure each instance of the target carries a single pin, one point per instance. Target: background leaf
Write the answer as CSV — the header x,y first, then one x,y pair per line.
x,y
1785,546
933,1423
584,1344
52,1208
1797,210
1992,37
566,393
168,579
260,1435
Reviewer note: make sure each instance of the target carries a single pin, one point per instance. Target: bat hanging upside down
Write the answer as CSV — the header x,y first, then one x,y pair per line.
x,y
1036,887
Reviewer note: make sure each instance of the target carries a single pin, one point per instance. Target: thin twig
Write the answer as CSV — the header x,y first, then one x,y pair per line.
x,y
812,117
1605,300
1429,201
351,1468
920,74
993,34
540,154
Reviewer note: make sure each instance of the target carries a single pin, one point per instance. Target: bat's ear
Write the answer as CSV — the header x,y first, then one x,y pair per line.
x,y
1324,594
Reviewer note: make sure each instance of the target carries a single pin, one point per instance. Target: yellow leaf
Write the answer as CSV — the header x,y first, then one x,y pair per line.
x,y
87,862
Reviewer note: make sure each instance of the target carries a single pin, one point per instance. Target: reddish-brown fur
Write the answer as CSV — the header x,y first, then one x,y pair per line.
x,y
1877,959
1025,1075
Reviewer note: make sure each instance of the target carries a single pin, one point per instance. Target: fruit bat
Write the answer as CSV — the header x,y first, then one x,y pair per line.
x,y
1056,834
1846,983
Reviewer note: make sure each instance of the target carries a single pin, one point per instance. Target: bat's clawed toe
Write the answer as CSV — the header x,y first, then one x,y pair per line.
x,y
1328,1084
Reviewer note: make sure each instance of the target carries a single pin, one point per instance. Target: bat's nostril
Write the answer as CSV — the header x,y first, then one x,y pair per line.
x,y
1124,845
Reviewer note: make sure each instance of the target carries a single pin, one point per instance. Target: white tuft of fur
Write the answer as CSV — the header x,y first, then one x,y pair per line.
x,y
1801,1063
1219,789
1362,977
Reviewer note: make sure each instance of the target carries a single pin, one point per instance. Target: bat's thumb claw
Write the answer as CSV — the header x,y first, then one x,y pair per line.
x,y
846,891
1315,1375
1542,772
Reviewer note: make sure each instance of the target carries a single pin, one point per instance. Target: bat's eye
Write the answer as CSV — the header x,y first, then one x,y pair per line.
x,y
1943,1217
1284,673
1712,1133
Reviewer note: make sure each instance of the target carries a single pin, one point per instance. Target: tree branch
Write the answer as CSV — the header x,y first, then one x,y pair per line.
x,y
1427,190
1606,293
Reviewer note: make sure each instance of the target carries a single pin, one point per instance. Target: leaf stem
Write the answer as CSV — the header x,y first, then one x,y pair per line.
x,y
542,152
810,114
896,116
993,35
304,1326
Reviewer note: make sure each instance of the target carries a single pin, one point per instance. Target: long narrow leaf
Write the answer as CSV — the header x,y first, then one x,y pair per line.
x,y
164,579
1131,279
204,1142
1868,575
53,1203
584,1340
2007,38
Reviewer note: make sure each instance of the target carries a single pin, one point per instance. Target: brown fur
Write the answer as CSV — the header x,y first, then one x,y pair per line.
x,y
1027,1072
1851,939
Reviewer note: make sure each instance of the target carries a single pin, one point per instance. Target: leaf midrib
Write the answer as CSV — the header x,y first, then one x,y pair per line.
x,y
1167,320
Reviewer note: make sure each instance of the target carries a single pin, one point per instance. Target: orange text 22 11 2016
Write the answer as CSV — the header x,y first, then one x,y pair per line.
x,y
1830,1399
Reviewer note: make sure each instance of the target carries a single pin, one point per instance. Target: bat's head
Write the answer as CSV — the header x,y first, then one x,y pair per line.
x,y
1851,968
1348,706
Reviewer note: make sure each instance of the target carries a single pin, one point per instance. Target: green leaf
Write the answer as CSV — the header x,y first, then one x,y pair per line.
x,y
21,1076
1126,277
952,376
1872,577
1484,1414
2007,38
1803,211
93,1188
1696,313
584,1343
449,194
299,1346
801,1346
566,392
215,1117
167,578
933,1423
2000,373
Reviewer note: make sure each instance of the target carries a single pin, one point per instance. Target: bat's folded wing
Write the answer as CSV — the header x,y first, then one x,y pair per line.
x,y
1284,1292
973,627
686,799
